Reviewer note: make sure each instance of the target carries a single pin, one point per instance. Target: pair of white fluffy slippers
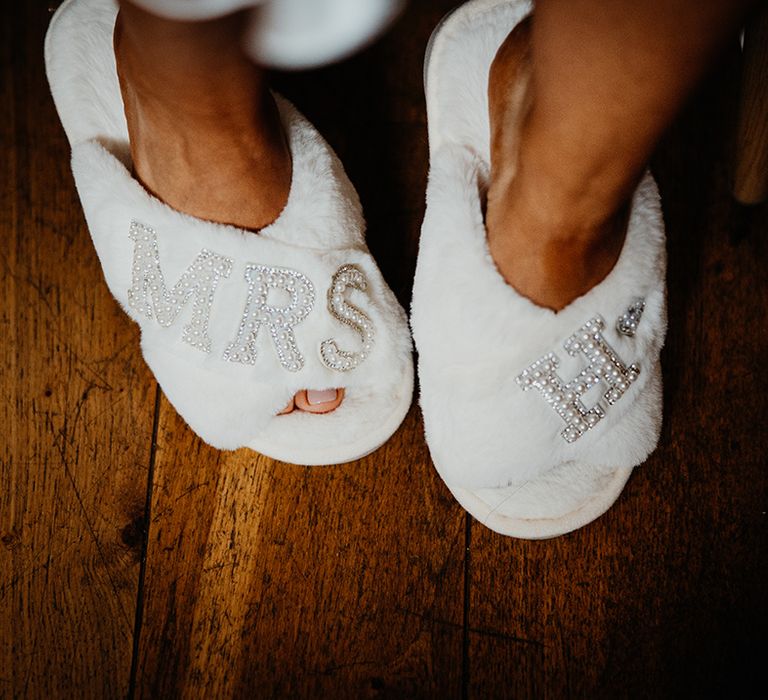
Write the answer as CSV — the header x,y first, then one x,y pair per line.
x,y
233,324
534,419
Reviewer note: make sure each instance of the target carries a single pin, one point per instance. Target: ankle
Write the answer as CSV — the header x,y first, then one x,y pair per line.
x,y
186,81
554,219
543,216
207,145
554,267
552,242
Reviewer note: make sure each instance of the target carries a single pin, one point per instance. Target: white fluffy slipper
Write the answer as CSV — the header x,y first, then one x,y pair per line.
x,y
233,323
534,419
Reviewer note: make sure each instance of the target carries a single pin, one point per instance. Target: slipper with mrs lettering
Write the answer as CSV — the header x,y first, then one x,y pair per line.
x,y
233,324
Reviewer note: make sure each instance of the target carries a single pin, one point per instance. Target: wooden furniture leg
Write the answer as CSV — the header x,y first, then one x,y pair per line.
x,y
751,168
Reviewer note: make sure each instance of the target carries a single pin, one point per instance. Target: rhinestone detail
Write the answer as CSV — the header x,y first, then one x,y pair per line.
x,y
604,365
346,277
150,297
280,319
628,321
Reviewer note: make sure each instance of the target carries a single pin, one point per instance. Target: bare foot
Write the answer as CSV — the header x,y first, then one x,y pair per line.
x,y
205,133
314,401
551,242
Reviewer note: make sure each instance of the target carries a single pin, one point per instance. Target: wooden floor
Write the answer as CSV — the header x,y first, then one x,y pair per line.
x,y
135,560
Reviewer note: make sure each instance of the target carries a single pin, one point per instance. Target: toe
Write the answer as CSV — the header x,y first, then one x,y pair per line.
x,y
319,401
288,408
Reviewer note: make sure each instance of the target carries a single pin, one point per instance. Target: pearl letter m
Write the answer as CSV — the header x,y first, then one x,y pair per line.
x,y
150,297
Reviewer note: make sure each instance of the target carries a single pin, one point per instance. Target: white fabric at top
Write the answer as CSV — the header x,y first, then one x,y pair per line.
x,y
292,33
194,9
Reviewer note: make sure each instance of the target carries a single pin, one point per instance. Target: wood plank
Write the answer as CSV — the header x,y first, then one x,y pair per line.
x,y
664,596
281,581
77,407
272,580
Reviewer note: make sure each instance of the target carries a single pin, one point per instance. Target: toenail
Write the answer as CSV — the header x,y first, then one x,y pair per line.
x,y
315,397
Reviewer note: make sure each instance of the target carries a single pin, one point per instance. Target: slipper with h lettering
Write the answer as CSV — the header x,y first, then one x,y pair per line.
x,y
534,419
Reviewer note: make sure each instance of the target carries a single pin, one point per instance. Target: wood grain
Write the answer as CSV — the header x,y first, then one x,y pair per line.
x,y
270,580
76,412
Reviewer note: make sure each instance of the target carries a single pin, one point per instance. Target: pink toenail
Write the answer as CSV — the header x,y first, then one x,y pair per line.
x,y
325,396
